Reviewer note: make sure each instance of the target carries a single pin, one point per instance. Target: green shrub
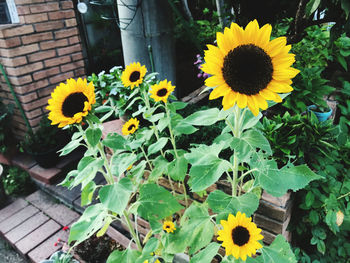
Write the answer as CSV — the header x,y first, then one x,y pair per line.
x,y
16,181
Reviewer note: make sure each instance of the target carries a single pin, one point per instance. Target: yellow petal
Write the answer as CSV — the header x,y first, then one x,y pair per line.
x,y
229,100
251,31
279,87
238,33
276,45
267,94
214,81
241,100
261,101
284,74
264,36
219,91
252,106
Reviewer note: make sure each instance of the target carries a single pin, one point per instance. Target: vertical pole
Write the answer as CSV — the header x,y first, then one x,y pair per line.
x,y
2,190
144,23
220,6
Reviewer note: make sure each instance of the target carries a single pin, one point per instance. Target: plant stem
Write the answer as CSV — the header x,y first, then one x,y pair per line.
x,y
185,193
172,138
109,177
132,231
146,157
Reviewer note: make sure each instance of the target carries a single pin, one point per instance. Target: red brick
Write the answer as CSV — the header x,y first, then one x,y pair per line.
x,y
61,77
34,122
13,208
22,50
61,14
77,56
71,22
26,227
54,44
45,91
30,19
37,37
10,42
14,62
20,80
47,26
37,236
32,86
80,72
34,113
46,73
69,50
57,61
62,214
74,40
71,66
47,248
18,71
48,7
66,33
42,55
16,31
279,201
23,10
120,238
25,2
47,176
66,4
28,97
35,104
18,218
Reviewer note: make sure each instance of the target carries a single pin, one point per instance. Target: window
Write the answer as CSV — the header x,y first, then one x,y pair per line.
x,y
8,12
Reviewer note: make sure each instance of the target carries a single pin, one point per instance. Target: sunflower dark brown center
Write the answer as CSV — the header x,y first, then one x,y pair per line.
x,y
73,104
135,76
247,69
132,126
240,235
167,226
162,92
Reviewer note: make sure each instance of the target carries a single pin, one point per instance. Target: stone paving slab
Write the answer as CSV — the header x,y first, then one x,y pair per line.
x,y
13,208
37,236
26,227
47,248
62,214
18,218
41,200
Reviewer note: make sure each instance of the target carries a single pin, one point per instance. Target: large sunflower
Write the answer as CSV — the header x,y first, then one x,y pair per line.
x,y
70,102
161,91
133,75
130,126
247,68
240,236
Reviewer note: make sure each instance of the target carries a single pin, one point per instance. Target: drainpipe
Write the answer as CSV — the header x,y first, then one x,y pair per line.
x,y
19,105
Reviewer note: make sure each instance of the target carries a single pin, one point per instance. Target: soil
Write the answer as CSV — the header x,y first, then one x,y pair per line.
x,y
97,249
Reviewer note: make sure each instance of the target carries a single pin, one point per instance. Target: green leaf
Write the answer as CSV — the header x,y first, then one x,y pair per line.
x,y
312,6
178,168
184,128
342,62
121,161
179,105
124,256
345,4
114,141
279,251
155,201
309,199
313,217
93,136
163,123
87,193
249,120
221,202
160,168
91,221
321,246
204,117
116,197
88,173
203,154
207,254
157,146
203,176
71,146
277,181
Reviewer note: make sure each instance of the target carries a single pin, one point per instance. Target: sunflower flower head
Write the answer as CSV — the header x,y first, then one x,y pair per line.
x,y
130,126
247,68
133,75
70,102
161,91
240,236
157,261
169,226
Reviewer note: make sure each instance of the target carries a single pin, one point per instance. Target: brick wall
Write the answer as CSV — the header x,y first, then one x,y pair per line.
x,y
41,51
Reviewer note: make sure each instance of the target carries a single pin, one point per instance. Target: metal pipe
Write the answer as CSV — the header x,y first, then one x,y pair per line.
x,y
19,105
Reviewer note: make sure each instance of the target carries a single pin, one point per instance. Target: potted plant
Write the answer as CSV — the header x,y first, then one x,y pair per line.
x,y
322,112
44,144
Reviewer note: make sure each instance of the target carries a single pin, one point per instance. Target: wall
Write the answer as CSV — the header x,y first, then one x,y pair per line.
x,y
41,51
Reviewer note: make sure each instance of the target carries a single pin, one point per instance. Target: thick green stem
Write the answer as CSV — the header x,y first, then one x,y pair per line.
x,y
146,157
172,138
132,231
109,178
185,193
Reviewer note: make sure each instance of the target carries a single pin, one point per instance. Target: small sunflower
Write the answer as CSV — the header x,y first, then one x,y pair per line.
x,y
161,91
247,68
70,102
157,261
240,236
133,75
169,226
130,126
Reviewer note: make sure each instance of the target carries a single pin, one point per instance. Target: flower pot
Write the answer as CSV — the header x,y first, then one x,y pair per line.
x,y
48,158
321,116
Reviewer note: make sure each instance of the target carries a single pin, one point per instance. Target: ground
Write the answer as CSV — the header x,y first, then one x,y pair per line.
x,y
7,254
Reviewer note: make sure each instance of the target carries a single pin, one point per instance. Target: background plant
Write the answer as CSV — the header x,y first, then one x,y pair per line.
x,y
6,137
16,181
